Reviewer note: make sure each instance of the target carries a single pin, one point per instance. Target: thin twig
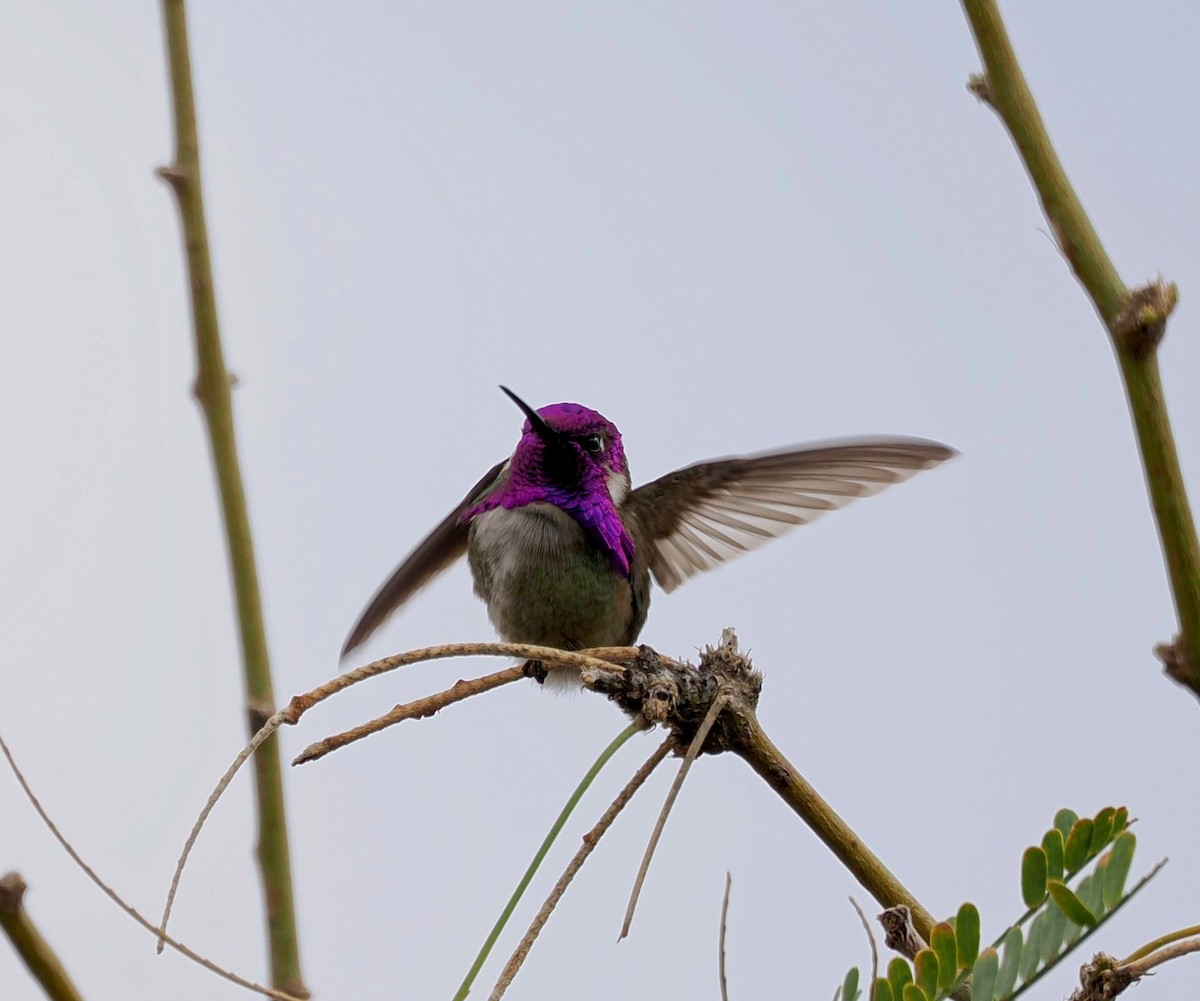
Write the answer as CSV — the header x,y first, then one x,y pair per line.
x,y
268,728
693,750
590,840
721,939
112,895
212,391
874,949
417,709
300,704
42,962
485,950
1140,967
550,657
1175,936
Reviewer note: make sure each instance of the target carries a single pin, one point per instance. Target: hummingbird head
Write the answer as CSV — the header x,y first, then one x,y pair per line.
x,y
573,458
571,449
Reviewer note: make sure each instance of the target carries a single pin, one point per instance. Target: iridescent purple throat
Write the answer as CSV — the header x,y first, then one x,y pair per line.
x,y
593,509
587,500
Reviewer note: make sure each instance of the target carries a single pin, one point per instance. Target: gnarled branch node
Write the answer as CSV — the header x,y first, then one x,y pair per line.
x,y
678,695
1140,325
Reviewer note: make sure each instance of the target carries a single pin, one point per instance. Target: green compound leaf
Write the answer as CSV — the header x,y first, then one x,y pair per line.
x,y
984,976
883,991
1006,979
1086,892
1031,955
966,934
1116,871
1120,820
1053,845
1102,830
926,964
1069,904
1064,820
1079,843
899,973
914,993
850,985
1053,932
1033,876
941,939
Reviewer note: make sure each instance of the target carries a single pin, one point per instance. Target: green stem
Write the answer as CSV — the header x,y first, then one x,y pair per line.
x,y
1158,943
44,966
212,390
1135,321
465,988
756,749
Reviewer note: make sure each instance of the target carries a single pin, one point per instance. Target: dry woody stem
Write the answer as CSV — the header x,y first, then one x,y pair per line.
x,y
212,390
116,898
1135,319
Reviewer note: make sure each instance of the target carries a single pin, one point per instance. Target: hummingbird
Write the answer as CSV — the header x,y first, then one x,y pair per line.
x,y
562,550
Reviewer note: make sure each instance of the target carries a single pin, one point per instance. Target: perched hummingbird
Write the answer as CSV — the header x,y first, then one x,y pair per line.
x,y
562,550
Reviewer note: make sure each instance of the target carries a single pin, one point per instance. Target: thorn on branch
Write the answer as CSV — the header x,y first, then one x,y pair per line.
x,y
1175,664
1140,325
174,175
977,84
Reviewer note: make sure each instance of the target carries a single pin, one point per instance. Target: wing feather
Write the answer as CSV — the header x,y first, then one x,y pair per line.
x,y
695,518
441,547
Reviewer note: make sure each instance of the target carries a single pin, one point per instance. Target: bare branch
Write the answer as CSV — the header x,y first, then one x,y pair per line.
x,y
300,704
417,709
1135,319
112,895
212,391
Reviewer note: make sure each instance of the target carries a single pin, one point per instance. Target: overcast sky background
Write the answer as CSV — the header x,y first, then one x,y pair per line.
x,y
725,227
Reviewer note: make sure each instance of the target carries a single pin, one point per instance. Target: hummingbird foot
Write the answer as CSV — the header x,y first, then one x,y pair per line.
x,y
536,669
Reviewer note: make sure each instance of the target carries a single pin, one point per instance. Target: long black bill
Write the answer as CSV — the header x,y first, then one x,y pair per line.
x,y
548,434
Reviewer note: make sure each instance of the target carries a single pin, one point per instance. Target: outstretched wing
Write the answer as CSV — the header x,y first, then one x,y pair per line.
x,y
437,551
694,518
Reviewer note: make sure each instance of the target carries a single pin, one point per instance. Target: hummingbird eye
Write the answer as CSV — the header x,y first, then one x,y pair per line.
x,y
593,444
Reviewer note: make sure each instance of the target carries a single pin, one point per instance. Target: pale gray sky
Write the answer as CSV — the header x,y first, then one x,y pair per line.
x,y
726,228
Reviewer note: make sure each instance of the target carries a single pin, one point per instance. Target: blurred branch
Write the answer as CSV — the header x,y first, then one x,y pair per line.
x,y
722,980
212,390
35,951
1136,321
